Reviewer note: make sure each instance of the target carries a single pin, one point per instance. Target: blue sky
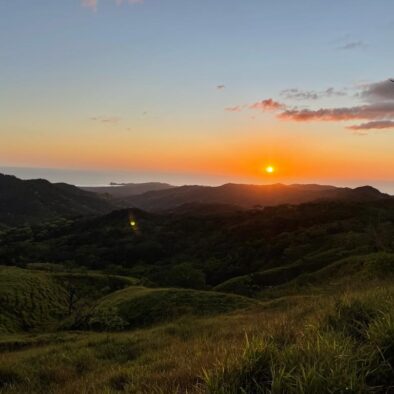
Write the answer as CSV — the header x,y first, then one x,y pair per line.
x,y
76,80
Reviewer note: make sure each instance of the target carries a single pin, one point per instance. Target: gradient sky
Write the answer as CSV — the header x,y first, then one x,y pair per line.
x,y
213,87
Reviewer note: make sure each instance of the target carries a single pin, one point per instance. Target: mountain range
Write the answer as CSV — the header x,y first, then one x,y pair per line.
x,y
248,196
32,201
37,200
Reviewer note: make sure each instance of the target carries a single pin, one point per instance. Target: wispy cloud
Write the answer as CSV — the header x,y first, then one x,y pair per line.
x,y
267,105
353,45
370,112
220,87
237,108
299,94
93,4
377,125
377,107
110,120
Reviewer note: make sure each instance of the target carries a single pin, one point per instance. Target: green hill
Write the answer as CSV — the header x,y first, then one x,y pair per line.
x,y
33,300
271,246
139,306
29,300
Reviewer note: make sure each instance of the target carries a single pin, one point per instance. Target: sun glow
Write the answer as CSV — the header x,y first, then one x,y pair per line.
x,y
270,169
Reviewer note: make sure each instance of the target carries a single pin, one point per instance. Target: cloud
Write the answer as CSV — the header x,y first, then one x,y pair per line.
x,y
120,2
353,45
237,108
378,111
220,87
375,92
377,125
106,120
377,107
311,94
92,4
267,105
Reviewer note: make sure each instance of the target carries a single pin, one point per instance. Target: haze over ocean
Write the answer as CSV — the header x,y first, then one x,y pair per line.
x,y
103,177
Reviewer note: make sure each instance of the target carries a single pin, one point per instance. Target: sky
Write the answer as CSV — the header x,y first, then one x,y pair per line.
x,y
198,91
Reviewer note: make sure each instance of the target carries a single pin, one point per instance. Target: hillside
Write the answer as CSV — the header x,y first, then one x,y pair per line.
x,y
275,245
136,307
37,200
287,299
128,189
249,196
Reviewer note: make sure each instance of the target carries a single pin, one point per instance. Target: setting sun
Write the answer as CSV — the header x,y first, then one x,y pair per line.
x,y
270,169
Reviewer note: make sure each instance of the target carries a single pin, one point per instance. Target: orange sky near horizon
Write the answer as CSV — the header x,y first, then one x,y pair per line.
x,y
243,150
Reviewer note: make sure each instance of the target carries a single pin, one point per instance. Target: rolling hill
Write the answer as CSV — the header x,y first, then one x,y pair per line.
x,y
37,200
125,190
249,196
270,247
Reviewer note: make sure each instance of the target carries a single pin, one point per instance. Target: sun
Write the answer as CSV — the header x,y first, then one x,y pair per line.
x,y
270,169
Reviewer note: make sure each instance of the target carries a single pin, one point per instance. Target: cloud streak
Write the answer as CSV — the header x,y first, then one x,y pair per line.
x,y
377,109
108,120
93,4
377,125
298,94
267,105
353,45
370,112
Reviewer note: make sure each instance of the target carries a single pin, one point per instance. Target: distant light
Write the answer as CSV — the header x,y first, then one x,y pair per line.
x,y
270,169
133,223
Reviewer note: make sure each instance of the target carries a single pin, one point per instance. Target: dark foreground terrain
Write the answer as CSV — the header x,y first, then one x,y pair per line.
x,y
204,299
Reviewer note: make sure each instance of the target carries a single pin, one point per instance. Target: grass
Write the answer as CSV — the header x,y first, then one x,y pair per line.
x,y
35,300
139,306
346,346
29,300
301,340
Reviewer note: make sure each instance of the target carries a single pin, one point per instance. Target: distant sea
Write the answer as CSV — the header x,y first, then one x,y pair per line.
x,y
105,177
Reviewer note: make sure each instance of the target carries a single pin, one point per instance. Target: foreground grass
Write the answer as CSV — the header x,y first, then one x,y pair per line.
x,y
166,359
346,346
294,345
338,338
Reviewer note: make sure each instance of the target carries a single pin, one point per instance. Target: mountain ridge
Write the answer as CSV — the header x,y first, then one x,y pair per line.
x,y
249,196
34,200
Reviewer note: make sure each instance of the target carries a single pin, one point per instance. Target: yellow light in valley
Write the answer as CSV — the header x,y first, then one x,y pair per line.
x,y
133,223
270,169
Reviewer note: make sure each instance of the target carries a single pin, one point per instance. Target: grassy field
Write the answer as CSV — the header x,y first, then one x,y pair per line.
x,y
310,340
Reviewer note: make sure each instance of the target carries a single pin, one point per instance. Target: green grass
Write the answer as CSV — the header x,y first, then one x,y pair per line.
x,y
34,300
29,300
329,332
346,346
293,345
139,306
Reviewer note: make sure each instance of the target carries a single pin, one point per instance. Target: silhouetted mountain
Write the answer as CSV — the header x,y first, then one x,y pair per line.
x,y
249,196
124,190
32,201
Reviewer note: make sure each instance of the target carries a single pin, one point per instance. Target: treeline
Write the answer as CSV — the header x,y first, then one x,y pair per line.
x,y
201,251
